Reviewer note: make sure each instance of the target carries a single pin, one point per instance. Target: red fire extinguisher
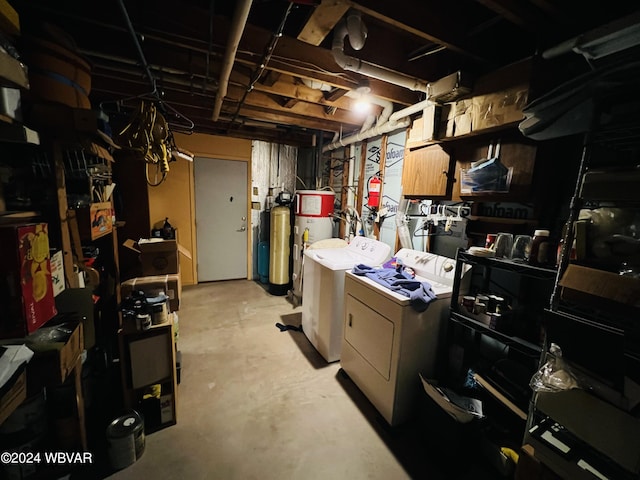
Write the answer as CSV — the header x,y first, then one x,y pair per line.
x,y
375,185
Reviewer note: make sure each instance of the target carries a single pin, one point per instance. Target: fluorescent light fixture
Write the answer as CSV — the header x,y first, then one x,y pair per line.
x,y
606,40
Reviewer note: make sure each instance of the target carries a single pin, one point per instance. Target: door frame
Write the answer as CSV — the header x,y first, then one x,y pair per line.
x,y
249,219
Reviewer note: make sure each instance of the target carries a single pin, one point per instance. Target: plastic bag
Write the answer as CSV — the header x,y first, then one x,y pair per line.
x,y
555,375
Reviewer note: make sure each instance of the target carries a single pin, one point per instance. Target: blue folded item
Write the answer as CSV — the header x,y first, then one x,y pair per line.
x,y
396,279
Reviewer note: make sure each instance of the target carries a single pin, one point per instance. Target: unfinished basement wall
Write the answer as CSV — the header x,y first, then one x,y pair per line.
x,y
368,160
273,169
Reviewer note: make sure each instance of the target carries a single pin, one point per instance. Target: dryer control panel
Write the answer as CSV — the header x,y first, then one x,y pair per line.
x,y
434,267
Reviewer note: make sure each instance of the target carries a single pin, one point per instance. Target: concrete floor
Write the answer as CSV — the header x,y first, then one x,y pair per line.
x,y
258,403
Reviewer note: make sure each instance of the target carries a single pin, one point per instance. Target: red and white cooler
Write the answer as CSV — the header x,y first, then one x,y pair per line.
x,y
313,213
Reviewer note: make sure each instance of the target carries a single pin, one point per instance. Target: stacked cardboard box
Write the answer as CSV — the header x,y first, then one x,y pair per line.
x,y
154,285
26,288
160,261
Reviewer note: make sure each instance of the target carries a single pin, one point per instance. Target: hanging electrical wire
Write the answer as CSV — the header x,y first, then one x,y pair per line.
x,y
186,125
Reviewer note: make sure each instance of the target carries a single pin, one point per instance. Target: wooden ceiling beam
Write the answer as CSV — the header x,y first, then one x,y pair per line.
x,y
293,57
259,99
335,94
288,103
521,14
423,21
269,78
322,20
266,114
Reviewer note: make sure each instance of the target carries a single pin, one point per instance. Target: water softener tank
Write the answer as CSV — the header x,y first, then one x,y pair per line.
x,y
279,246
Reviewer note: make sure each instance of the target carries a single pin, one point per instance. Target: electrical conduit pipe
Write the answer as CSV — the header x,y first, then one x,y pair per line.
x,y
238,23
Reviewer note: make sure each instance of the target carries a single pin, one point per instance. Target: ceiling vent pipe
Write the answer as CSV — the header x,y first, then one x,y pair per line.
x,y
356,30
387,122
238,23
379,129
353,64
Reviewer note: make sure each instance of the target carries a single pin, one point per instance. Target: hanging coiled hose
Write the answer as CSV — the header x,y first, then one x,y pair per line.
x,y
147,136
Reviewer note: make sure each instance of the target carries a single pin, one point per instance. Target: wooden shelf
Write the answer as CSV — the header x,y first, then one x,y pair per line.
x,y
500,397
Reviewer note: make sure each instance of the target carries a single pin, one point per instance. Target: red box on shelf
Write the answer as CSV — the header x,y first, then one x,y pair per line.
x,y
26,289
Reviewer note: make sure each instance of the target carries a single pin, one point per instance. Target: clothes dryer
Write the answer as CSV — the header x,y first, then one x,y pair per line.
x,y
386,342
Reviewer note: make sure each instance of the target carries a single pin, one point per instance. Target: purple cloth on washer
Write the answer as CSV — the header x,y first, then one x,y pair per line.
x,y
420,293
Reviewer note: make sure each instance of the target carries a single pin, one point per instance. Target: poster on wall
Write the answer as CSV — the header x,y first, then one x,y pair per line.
x,y
392,187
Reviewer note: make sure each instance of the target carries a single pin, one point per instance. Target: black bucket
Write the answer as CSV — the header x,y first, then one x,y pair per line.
x,y
125,440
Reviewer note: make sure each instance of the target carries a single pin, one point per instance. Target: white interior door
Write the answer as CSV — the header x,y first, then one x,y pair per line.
x,y
221,219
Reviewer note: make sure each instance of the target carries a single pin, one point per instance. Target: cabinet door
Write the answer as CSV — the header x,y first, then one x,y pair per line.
x,y
515,155
426,172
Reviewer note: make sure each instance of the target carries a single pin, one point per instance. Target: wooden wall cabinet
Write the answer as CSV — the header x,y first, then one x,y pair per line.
x,y
514,153
426,172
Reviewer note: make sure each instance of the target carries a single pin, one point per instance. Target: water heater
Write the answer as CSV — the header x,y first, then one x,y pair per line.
x,y
313,212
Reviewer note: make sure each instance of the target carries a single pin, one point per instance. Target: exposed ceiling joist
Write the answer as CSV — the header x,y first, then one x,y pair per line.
x,y
522,14
324,18
184,42
424,22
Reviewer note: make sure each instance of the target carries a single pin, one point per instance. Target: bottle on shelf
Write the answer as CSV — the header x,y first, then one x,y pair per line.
x,y
541,249
168,232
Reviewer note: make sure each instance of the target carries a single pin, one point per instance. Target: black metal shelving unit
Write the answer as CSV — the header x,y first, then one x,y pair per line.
x,y
500,358
593,315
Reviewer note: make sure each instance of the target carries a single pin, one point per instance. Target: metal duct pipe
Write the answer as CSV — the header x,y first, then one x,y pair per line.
x,y
353,64
405,112
238,23
372,132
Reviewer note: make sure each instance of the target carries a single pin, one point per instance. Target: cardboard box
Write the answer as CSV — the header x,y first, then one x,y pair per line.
x,y
499,108
599,288
57,273
425,129
26,288
153,285
462,114
614,185
12,394
158,256
13,72
56,352
95,220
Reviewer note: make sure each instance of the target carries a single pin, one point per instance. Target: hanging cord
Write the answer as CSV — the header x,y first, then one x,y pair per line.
x,y
187,125
263,63
143,60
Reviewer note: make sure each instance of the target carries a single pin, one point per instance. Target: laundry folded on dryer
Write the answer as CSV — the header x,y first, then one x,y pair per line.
x,y
420,293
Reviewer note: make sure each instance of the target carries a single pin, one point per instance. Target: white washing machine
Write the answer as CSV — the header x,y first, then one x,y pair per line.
x,y
323,290
387,343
